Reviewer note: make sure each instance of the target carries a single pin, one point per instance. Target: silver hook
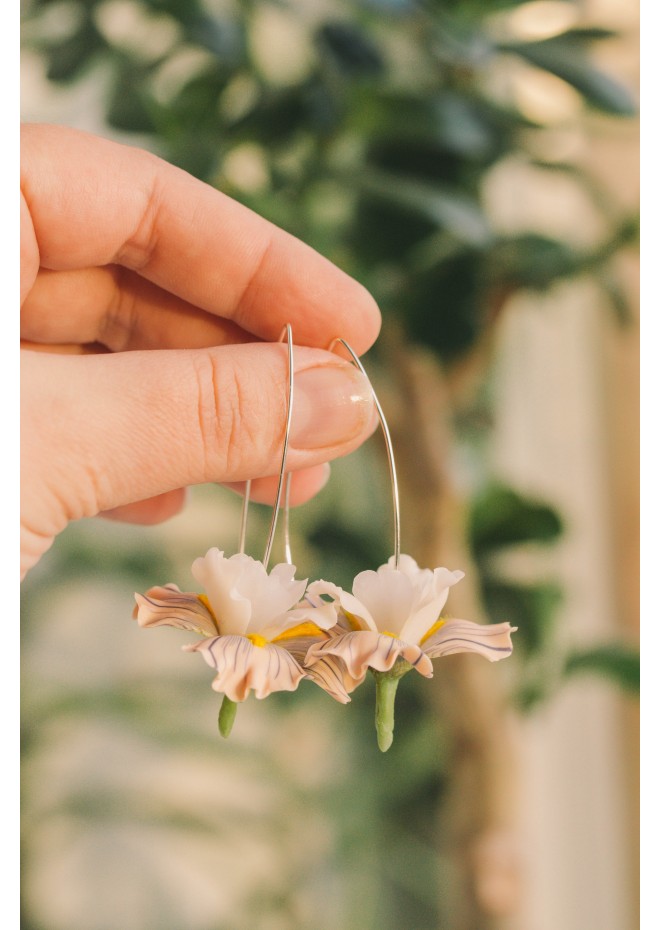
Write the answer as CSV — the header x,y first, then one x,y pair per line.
x,y
389,447
287,540
244,516
285,448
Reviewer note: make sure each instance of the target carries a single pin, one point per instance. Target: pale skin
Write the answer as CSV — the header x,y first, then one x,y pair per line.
x,y
151,309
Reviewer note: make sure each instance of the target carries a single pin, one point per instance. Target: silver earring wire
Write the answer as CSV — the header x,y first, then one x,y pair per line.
x,y
244,516
389,447
285,449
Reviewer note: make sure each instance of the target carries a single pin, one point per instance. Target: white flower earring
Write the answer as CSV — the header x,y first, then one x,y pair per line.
x,y
392,621
257,626
267,632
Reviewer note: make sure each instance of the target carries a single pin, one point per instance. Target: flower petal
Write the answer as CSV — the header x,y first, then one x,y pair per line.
x,y
359,612
331,674
410,568
270,595
244,597
433,597
389,596
243,667
218,576
324,617
493,641
168,606
365,649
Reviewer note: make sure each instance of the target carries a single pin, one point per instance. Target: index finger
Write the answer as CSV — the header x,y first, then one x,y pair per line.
x,y
96,202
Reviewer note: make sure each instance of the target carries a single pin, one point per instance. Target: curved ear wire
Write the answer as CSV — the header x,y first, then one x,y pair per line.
x,y
244,516
388,445
285,449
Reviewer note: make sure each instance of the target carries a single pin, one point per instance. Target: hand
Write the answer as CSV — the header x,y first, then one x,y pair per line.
x,y
153,296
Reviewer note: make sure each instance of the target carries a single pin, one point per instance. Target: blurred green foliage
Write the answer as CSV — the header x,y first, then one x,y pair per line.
x,y
371,137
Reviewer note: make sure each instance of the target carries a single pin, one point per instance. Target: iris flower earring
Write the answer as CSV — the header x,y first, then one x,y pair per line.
x,y
392,621
255,625
266,632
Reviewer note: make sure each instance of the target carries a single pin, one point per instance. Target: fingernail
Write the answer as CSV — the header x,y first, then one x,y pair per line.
x,y
331,404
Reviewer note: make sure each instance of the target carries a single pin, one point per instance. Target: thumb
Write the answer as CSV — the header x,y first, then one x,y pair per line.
x,y
101,431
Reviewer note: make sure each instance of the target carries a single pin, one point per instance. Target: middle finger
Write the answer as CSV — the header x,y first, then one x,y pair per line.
x,y
120,310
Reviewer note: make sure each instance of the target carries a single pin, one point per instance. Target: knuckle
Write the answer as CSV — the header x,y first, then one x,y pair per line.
x,y
140,246
225,424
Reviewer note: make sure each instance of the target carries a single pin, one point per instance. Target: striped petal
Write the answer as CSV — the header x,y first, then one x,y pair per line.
x,y
331,674
328,673
168,606
365,649
492,641
242,666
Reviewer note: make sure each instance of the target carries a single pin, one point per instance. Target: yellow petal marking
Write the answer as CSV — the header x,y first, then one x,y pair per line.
x,y
353,620
206,602
436,626
257,640
387,633
303,629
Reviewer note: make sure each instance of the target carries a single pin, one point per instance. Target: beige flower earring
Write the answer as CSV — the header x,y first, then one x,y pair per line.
x,y
257,626
265,632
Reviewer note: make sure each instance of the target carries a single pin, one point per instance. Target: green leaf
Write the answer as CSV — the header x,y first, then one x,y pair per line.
x,y
65,60
534,261
128,106
442,308
445,208
502,517
196,104
280,115
182,10
350,49
564,56
618,662
224,37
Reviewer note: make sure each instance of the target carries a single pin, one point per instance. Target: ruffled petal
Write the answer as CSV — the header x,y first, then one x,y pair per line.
x,y
270,595
492,641
443,580
388,595
432,598
168,606
244,597
331,674
365,649
410,568
243,667
324,617
218,576
358,611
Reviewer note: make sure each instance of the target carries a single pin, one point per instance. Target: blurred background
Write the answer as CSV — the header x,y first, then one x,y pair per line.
x,y
475,164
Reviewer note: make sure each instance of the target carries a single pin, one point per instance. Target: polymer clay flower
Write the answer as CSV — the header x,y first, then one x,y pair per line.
x,y
391,624
247,618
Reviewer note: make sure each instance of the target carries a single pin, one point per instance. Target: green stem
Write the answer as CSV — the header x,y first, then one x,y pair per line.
x,y
227,716
386,685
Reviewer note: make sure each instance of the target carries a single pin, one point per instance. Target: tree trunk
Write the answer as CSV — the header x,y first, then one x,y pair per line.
x,y
478,821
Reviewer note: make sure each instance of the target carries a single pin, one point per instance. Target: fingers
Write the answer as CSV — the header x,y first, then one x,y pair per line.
x,y
94,202
304,485
154,510
100,432
120,310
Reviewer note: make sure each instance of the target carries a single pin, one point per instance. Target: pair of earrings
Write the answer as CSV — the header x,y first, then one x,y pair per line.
x,y
267,631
